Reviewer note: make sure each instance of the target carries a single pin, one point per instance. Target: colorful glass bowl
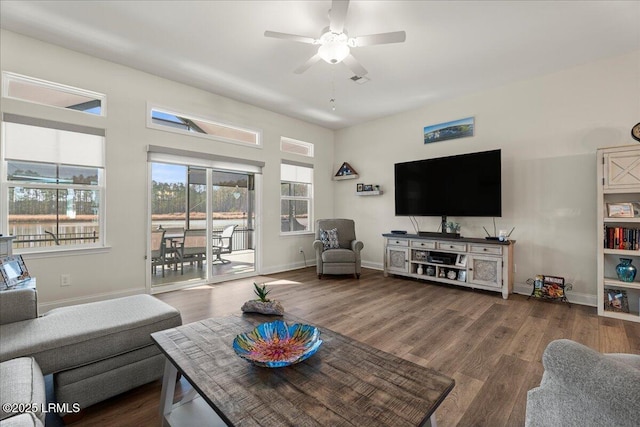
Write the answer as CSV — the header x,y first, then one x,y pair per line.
x,y
276,344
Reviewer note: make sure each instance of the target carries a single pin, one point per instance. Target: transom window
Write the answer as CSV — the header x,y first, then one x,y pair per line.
x,y
294,146
164,119
296,197
53,184
53,94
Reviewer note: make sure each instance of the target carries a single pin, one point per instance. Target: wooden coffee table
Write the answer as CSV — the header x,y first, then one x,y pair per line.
x,y
346,383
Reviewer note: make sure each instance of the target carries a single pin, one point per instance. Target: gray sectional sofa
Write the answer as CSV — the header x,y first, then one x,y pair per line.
x,y
581,387
94,351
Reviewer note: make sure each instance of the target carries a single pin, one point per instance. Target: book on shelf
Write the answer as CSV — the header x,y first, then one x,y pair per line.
x,y
622,238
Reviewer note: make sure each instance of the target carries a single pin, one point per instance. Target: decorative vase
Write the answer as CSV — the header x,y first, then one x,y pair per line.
x,y
625,270
420,270
431,270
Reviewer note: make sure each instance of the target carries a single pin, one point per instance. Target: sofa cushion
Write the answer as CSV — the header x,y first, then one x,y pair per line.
x,y
21,382
73,336
339,255
22,420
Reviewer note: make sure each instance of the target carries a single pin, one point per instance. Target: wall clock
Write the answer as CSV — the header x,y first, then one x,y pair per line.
x,y
635,132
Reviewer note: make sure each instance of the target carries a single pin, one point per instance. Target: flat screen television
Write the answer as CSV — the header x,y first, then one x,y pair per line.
x,y
462,185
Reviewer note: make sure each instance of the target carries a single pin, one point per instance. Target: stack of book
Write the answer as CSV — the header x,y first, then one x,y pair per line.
x,y
622,238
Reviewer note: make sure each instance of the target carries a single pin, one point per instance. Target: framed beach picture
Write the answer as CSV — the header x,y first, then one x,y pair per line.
x,y
620,210
449,130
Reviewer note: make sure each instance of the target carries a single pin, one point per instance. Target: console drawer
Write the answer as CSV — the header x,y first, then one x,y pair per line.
x,y
450,246
398,242
423,244
486,249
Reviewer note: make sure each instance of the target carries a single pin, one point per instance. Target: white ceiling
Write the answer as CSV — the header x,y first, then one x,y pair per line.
x,y
453,48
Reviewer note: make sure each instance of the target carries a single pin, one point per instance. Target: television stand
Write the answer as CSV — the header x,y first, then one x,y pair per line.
x,y
438,257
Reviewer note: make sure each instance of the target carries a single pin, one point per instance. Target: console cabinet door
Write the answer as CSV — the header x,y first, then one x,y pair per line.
x,y
397,259
485,271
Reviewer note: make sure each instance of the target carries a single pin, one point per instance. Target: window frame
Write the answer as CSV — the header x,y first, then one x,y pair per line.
x,y
193,117
6,184
309,198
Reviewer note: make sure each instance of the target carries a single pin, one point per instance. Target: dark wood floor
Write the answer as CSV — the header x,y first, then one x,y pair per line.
x,y
490,346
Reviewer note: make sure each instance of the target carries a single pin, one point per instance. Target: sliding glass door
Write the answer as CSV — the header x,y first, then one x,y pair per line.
x,y
202,224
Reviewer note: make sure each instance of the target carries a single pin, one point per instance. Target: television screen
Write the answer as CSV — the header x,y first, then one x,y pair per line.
x,y
462,185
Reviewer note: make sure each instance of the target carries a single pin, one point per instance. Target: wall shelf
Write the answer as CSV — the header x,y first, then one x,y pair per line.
x,y
369,193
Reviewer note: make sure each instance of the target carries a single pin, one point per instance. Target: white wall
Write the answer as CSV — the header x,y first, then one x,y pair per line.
x,y
122,270
548,129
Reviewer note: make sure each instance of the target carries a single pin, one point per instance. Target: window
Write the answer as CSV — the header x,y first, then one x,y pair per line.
x,y
53,94
293,146
296,197
182,123
52,183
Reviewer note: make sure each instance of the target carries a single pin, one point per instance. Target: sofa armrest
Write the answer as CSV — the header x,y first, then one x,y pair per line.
x,y
602,380
18,304
356,246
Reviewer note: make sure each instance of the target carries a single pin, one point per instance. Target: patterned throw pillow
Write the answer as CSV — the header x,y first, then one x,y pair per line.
x,y
329,238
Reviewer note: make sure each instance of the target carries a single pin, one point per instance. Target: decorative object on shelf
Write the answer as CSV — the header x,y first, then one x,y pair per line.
x,y
13,271
453,227
620,210
549,288
359,187
625,270
346,171
461,260
462,275
635,132
449,130
263,304
420,270
368,190
431,270
452,274
442,273
616,300
276,344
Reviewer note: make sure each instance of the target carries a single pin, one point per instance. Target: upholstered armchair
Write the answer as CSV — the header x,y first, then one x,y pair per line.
x,y
337,250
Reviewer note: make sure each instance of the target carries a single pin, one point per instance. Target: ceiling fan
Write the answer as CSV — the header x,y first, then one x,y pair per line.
x,y
335,44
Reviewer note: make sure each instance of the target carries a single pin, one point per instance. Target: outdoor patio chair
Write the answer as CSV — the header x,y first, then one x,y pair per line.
x,y
223,243
193,247
173,238
157,250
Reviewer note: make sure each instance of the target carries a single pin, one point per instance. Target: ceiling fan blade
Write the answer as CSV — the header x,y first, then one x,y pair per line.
x,y
337,15
354,66
292,37
304,67
383,38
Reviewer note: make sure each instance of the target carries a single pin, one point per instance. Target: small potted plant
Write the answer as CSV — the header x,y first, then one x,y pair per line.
x,y
263,304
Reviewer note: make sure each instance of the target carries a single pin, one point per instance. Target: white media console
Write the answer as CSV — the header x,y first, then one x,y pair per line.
x,y
473,263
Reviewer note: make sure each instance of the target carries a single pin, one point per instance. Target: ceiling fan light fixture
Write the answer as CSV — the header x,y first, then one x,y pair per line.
x,y
333,52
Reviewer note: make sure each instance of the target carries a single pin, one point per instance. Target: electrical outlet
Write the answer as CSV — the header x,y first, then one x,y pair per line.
x,y
65,280
300,250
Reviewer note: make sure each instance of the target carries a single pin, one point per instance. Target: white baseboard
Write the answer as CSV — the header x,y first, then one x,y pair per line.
x,y
573,297
286,267
44,307
373,265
